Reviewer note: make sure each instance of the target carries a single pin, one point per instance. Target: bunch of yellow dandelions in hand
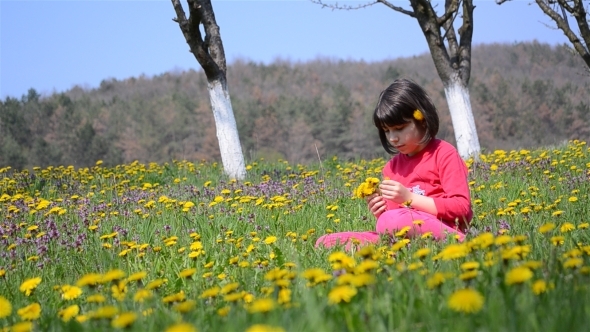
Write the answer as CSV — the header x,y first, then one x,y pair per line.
x,y
367,188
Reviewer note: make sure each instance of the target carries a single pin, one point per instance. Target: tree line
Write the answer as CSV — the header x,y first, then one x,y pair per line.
x,y
523,95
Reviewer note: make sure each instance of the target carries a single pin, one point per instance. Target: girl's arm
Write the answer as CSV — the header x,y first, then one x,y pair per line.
x,y
456,202
399,194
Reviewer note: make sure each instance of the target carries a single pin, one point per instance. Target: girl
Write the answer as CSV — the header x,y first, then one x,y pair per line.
x,y
425,183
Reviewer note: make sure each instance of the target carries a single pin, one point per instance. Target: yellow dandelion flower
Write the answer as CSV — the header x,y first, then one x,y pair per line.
x,y
22,327
421,253
211,292
356,280
573,263
30,312
113,275
261,305
224,311
231,287
583,225
187,273
539,287
137,276
195,254
567,227
248,298
400,244
533,265
284,296
96,298
124,320
468,275
70,292
518,275
316,276
367,188
402,232
365,266
106,312
557,240
69,312
557,213
181,327
472,265
156,284
184,307
426,235
29,285
418,222
196,245
5,307
233,297
341,293
466,300
178,297
453,251
142,295
418,116
502,240
270,240
264,328
437,279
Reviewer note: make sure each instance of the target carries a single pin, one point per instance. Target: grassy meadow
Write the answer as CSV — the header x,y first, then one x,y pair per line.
x,y
179,247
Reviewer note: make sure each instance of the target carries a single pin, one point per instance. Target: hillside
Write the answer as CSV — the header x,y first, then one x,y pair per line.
x,y
523,95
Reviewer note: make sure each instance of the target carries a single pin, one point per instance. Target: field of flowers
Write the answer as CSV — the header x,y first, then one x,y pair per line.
x,y
178,247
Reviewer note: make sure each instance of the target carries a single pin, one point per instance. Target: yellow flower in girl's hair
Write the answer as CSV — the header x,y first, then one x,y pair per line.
x,y
367,188
418,115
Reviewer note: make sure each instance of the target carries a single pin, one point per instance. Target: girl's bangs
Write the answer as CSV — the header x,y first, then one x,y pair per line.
x,y
388,119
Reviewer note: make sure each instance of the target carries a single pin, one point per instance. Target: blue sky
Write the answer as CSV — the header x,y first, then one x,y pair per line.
x,y
52,46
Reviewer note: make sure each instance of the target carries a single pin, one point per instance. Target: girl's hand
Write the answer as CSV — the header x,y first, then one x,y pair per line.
x,y
395,191
376,204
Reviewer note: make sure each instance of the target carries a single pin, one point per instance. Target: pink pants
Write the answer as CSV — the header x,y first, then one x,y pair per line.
x,y
391,222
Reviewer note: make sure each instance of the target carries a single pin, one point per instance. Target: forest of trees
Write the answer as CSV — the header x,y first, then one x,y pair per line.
x,y
523,95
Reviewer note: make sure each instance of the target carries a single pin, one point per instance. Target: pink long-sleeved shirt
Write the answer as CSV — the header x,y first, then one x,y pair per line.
x,y
439,172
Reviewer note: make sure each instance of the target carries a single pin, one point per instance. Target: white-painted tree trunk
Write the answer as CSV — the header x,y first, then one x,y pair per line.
x,y
227,131
462,118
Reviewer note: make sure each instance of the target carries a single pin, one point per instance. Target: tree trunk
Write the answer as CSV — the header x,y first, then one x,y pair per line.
x,y
463,123
227,131
453,64
208,51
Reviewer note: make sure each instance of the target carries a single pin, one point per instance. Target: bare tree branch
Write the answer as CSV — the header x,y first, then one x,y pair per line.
x,y
580,15
336,6
397,9
209,50
465,38
578,12
564,5
451,6
451,11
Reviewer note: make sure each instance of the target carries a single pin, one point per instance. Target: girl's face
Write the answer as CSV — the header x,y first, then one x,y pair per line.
x,y
406,137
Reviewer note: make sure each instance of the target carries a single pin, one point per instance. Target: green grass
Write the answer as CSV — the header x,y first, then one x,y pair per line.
x,y
258,236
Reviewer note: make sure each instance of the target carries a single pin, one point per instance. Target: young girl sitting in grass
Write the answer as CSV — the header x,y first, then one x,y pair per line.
x,y
424,185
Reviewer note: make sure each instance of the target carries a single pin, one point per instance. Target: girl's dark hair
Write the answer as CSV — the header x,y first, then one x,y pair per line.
x,y
396,106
